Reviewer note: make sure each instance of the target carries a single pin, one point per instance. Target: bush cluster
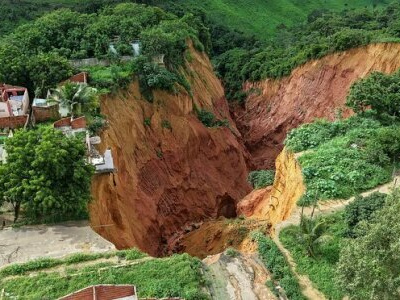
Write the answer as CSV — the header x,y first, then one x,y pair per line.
x,y
261,179
347,157
362,208
209,120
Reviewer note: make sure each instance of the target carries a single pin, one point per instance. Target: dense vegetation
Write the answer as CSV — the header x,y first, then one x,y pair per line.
x,y
260,18
363,263
324,32
152,277
320,267
42,47
46,175
347,157
356,154
362,209
369,265
261,179
378,91
277,264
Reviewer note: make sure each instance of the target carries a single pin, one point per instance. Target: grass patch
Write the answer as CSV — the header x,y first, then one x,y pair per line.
x,y
175,276
321,269
46,263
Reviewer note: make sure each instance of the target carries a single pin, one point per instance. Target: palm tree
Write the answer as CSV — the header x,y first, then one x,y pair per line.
x,y
313,233
78,97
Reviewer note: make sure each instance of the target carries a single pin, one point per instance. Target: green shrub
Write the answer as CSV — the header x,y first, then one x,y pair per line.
x,y
231,252
277,264
310,136
147,122
209,120
206,117
166,124
349,38
261,179
362,208
378,91
96,125
131,254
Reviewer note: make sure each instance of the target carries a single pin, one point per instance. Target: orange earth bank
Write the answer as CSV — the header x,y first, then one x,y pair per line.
x,y
315,90
167,178
171,180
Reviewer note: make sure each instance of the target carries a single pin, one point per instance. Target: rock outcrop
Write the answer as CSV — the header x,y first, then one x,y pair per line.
x,y
172,171
315,90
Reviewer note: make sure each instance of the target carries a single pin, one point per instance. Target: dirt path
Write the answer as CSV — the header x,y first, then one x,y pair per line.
x,y
237,278
324,208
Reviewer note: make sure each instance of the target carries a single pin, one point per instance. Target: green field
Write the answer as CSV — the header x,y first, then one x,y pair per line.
x,y
261,17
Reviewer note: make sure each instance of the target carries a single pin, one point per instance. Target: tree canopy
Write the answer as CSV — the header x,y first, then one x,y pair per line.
x,y
46,174
369,266
378,91
37,54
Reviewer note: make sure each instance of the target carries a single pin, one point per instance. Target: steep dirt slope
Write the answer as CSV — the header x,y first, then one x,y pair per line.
x,y
276,203
316,89
173,172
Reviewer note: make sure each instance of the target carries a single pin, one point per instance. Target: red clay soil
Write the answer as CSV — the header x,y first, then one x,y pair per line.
x,y
174,173
167,178
315,90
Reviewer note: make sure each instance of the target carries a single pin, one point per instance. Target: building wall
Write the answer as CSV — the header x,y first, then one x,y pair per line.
x,y
103,292
13,122
75,124
46,113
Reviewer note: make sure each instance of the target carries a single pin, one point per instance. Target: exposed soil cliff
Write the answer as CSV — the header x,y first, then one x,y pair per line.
x,y
172,172
275,204
176,177
314,90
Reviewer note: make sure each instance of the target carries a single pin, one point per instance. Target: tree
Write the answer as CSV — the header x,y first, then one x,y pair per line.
x,y
46,70
313,233
378,91
363,208
78,97
46,173
369,265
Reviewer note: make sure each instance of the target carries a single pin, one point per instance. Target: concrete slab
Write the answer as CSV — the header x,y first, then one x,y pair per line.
x,y
30,242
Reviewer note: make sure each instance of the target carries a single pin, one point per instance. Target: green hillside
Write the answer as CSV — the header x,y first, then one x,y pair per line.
x,y
254,17
261,17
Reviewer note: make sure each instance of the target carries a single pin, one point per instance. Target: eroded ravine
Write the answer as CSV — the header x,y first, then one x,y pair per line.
x,y
172,182
317,89
168,177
